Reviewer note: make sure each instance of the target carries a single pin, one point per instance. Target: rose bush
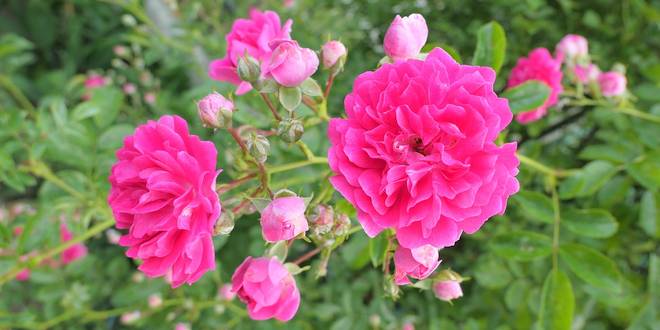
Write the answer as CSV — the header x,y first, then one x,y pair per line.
x,y
111,195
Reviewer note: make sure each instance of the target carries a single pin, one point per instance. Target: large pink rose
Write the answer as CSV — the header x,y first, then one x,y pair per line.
x,y
253,36
541,66
416,151
163,193
417,263
268,289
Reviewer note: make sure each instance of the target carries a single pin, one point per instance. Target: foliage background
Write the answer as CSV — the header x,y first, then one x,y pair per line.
x,y
46,47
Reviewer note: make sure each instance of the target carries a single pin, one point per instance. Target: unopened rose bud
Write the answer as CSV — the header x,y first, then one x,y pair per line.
x,y
374,321
391,289
130,317
291,64
225,223
215,111
182,326
322,220
155,300
571,47
137,277
225,293
283,219
128,20
447,290
408,326
612,84
150,97
342,225
120,50
405,37
290,130
248,68
129,89
113,236
333,55
259,147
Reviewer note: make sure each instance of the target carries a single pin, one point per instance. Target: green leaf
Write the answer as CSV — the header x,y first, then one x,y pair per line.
x,y
114,136
649,219
290,97
527,96
591,266
279,250
646,171
491,272
557,302
535,205
311,88
587,180
378,248
491,46
594,223
109,100
522,245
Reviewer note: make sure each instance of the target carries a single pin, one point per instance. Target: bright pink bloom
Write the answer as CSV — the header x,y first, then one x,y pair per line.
x,y
586,73
331,52
612,83
267,287
24,275
283,219
226,292
405,37
163,192
73,252
417,263
291,64
416,152
572,46
539,65
447,290
253,36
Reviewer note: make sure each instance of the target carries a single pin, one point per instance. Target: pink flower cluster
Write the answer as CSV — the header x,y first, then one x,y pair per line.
x,y
163,193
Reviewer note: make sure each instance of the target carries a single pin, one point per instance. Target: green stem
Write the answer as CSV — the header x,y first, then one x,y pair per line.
x,y
36,260
295,165
16,93
639,114
42,170
543,168
556,222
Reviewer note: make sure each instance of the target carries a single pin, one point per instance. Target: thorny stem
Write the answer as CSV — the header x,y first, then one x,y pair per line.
x,y
223,188
271,106
328,86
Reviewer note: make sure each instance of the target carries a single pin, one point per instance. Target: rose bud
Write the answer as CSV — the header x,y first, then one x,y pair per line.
x,y
612,83
225,224
267,288
572,46
182,326
226,293
342,225
586,73
155,300
417,263
150,98
333,53
129,89
291,64
130,317
283,219
322,220
408,326
290,130
258,146
248,68
215,111
73,252
405,37
447,290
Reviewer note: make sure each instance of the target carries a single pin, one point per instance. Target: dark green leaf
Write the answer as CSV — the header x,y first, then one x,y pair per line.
x,y
527,96
647,171
649,219
595,223
557,302
591,266
522,245
535,205
587,180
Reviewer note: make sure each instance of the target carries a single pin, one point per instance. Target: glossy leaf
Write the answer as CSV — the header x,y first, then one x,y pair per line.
x,y
595,223
591,266
522,245
557,302
527,96
491,46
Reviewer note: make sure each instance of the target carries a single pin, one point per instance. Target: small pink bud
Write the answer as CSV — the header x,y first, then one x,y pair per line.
x,y
612,83
226,293
18,230
417,263
447,290
120,50
586,73
182,326
155,300
405,37
408,326
572,46
75,251
288,3
150,97
24,275
215,111
332,53
113,236
130,317
291,64
129,89
322,220
95,81
283,219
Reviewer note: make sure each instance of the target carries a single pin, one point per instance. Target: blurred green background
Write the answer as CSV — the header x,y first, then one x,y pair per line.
x,y
47,47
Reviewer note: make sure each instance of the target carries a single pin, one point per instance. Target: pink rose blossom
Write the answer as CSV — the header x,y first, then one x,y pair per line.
x,y
291,64
74,252
447,290
539,65
283,219
416,152
226,292
572,46
417,263
331,52
182,326
253,36
586,73
24,275
268,289
405,37
163,192
612,83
